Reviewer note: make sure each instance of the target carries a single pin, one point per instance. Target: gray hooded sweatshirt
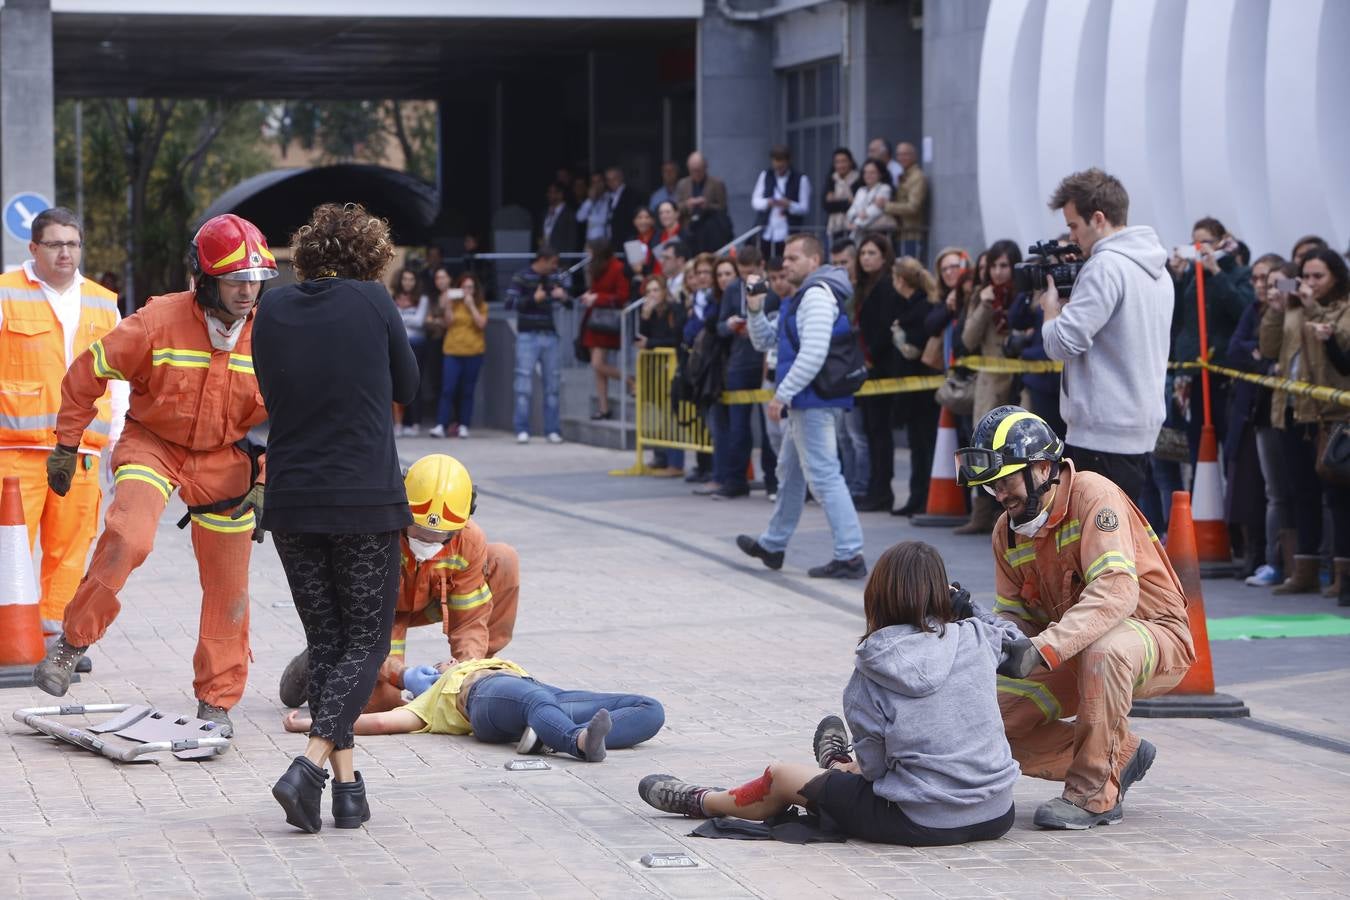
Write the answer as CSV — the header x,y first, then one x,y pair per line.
x,y
923,709
1112,337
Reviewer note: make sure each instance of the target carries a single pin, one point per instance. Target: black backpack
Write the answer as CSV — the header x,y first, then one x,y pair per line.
x,y
845,368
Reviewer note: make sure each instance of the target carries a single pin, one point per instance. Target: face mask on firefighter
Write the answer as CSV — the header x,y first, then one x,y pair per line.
x,y
424,550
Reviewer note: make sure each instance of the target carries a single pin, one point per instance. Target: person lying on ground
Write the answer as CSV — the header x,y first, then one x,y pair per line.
x,y
932,766
498,702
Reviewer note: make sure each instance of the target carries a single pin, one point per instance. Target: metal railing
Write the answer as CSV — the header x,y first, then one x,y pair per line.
x,y
659,421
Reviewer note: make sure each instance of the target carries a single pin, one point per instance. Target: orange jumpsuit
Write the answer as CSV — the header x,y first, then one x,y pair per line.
x,y
32,363
476,583
1099,599
189,405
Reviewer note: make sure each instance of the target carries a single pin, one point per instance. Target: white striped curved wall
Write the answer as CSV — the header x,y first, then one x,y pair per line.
x,y
1226,108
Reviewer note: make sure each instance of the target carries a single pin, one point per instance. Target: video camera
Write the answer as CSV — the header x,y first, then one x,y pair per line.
x,y
1048,258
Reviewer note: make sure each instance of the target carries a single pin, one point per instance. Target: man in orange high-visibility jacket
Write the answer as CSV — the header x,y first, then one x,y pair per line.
x,y
1080,572
49,315
450,575
193,399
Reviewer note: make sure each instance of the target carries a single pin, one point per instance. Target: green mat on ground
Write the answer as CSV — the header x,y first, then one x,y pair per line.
x,y
1313,625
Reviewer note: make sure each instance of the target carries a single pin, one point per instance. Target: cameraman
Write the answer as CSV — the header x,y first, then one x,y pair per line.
x,y
1112,333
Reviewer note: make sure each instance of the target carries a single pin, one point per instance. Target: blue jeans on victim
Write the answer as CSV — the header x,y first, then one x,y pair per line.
x,y
501,706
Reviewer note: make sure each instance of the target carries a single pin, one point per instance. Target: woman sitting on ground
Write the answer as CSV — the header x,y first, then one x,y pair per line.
x,y
932,765
498,702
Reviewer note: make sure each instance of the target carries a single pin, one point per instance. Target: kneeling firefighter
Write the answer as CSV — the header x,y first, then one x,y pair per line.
x,y
449,575
194,397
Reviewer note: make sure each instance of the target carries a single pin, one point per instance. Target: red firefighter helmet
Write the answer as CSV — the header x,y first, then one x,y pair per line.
x,y
232,249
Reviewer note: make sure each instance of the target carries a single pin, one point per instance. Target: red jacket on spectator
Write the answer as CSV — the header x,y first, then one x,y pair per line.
x,y
611,291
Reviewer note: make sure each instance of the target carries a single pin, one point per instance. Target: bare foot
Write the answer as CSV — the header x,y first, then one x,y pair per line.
x,y
293,721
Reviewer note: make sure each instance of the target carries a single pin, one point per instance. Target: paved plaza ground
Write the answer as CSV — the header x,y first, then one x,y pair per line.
x,y
633,584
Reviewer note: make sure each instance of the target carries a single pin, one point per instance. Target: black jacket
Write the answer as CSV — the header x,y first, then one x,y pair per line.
x,y
332,358
879,309
621,227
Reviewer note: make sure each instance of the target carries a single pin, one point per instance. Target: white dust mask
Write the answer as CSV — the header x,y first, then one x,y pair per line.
x,y
224,337
1029,529
424,550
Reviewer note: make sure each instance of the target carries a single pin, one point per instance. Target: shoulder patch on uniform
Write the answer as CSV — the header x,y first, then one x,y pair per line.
x,y
1107,520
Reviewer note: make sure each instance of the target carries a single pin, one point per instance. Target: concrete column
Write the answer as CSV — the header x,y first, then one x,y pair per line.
x,y
27,120
737,104
953,35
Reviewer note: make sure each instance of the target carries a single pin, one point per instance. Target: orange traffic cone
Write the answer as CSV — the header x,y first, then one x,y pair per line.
x,y
946,499
1194,697
21,644
1211,531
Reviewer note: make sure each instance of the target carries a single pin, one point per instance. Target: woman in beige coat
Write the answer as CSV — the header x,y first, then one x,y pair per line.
x,y
985,330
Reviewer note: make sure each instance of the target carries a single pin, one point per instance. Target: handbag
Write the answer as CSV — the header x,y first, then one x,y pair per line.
x,y
1333,461
1172,445
603,320
957,393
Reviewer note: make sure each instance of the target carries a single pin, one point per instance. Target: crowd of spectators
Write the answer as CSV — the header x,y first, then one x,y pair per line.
x,y
672,249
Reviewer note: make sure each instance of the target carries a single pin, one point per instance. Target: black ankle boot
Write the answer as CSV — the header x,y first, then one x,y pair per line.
x,y
300,793
350,808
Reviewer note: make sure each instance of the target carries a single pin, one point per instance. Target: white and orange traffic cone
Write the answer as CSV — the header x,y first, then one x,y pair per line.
x,y
1194,697
1213,549
946,498
21,644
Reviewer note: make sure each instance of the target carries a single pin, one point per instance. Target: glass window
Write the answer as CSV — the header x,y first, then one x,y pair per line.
x,y
811,123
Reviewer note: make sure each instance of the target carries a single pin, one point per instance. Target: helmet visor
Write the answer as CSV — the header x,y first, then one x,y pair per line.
x,y
976,466
259,273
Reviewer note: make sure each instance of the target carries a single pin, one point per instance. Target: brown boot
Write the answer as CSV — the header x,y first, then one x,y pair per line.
x,y
1337,577
1288,547
982,516
1304,578
1343,578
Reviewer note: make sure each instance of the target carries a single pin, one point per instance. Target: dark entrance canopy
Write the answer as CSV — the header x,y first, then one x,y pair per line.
x,y
280,201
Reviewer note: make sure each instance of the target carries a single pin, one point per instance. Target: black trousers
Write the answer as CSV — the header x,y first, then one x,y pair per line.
x,y
878,424
1300,457
847,803
345,588
920,412
1128,470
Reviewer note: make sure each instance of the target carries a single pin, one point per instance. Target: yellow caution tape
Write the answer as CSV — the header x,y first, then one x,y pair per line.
x,y
1004,364
870,387
1319,392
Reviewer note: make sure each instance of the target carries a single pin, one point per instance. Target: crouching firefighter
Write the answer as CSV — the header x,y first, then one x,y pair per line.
x,y
194,397
449,575
1080,572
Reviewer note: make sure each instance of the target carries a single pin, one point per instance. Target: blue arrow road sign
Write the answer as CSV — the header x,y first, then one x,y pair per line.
x,y
20,211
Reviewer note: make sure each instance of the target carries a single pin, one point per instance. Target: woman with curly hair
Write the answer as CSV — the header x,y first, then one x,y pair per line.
x,y
332,357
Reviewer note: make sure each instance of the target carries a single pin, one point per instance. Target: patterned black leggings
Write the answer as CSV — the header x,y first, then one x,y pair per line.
x,y
345,588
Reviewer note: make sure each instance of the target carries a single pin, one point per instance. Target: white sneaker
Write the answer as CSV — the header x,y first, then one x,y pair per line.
x,y
554,437
413,430
399,431
522,437
463,431
437,431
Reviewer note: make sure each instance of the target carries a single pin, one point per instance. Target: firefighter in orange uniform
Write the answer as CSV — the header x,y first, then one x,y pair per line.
x,y
49,315
450,576
1081,573
193,399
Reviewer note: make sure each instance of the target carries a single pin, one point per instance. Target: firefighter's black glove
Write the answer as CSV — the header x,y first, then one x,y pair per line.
x,y
253,502
962,606
61,468
1021,659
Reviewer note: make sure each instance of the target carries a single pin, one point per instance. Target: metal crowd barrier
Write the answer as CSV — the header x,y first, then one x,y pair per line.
x,y
659,422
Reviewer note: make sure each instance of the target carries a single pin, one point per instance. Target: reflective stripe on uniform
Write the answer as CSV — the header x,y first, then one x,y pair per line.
x,y
173,356
453,563
101,367
398,647
1005,605
23,295
241,363
1111,559
471,600
134,472
1068,534
90,302
1020,555
225,524
1034,691
1152,535
1150,652
28,423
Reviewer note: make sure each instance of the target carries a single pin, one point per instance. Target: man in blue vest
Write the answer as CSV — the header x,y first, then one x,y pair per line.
x,y
807,322
782,198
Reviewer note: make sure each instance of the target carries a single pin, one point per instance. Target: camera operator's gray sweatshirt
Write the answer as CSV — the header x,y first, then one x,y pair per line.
x,y
1112,337
923,709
